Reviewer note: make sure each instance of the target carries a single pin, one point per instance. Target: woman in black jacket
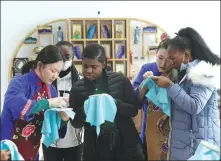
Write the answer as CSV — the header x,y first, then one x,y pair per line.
x,y
118,141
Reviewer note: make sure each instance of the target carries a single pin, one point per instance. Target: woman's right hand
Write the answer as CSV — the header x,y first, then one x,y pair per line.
x,y
5,155
147,74
143,91
61,102
64,116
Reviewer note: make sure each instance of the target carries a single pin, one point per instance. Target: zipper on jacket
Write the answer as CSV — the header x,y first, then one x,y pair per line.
x,y
191,137
192,141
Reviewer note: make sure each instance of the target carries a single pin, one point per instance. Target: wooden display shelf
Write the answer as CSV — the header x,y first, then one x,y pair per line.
x,y
78,39
104,34
79,60
110,39
46,34
120,59
91,39
109,32
29,44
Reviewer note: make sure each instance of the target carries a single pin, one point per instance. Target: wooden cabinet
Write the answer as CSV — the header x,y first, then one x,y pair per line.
x,y
116,35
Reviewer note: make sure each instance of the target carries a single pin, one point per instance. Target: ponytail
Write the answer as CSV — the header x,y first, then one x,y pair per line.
x,y
188,38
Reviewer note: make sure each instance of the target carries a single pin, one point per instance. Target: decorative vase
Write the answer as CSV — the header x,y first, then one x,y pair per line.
x,y
120,52
77,52
106,31
136,35
91,32
59,34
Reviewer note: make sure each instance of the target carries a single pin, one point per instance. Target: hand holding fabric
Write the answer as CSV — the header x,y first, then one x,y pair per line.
x,y
147,74
58,102
206,151
100,108
157,96
142,92
64,116
162,81
52,123
9,150
5,155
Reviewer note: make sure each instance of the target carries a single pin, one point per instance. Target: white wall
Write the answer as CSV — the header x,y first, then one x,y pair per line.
x,y
19,18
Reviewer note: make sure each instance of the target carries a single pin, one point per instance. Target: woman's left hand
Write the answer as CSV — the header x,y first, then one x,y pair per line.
x,y
64,116
162,81
5,155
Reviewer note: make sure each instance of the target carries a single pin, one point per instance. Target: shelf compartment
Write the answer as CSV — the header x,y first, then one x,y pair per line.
x,y
77,29
78,66
120,29
91,29
108,48
91,42
105,29
78,48
120,51
121,66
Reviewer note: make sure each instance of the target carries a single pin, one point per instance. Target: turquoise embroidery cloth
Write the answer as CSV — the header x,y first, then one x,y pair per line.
x,y
9,145
157,95
206,151
98,109
52,123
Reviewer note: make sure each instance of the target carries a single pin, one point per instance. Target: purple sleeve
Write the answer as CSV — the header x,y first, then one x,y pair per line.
x,y
16,102
139,79
54,92
146,67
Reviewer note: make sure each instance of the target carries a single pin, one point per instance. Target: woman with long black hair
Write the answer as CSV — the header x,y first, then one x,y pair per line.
x,y
195,114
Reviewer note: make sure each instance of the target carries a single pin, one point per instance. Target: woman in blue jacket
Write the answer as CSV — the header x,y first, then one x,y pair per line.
x,y
195,113
27,98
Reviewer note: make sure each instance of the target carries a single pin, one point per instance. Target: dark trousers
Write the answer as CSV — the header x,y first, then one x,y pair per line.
x,y
145,148
105,147
62,154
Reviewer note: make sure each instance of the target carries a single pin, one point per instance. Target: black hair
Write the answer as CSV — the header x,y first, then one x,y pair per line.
x,y
188,38
74,72
66,43
27,67
95,51
74,78
48,55
163,44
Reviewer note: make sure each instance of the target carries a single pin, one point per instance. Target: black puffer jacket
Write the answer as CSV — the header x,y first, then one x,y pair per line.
x,y
120,88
